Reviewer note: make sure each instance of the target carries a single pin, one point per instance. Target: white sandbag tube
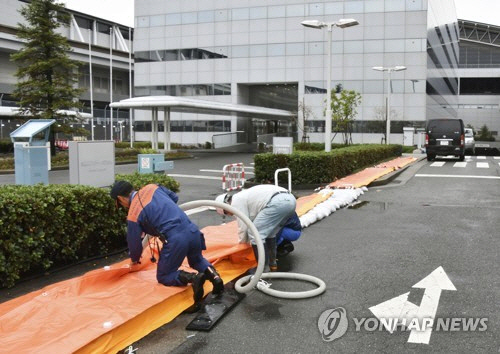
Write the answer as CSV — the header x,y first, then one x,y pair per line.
x,y
252,281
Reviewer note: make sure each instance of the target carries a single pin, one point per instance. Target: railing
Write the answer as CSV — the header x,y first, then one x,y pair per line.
x,y
226,139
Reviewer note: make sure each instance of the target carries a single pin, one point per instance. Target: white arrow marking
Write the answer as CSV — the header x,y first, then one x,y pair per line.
x,y
433,284
405,311
397,308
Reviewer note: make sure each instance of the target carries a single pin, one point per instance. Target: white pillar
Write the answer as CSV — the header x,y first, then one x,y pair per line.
x,y
328,117
166,129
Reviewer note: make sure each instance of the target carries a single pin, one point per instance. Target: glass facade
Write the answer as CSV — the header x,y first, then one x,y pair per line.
x,y
442,61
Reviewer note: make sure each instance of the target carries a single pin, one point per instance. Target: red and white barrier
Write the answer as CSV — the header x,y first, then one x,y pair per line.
x,y
233,176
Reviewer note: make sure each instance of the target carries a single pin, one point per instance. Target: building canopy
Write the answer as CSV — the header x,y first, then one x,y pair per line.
x,y
189,105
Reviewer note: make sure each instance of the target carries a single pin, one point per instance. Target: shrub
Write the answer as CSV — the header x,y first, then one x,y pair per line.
x,y
314,146
321,167
139,180
41,226
484,134
46,225
6,146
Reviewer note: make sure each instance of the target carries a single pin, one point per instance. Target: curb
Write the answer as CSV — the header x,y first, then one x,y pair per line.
x,y
394,174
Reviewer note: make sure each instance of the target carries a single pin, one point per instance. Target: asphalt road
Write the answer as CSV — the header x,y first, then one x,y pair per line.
x,y
435,214
372,253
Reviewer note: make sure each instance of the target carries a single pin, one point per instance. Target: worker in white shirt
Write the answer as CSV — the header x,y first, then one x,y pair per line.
x,y
269,207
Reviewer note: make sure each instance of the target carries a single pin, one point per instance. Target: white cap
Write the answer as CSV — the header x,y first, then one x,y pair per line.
x,y
220,199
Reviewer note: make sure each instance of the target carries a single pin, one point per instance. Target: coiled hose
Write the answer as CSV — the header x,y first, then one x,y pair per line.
x,y
247,283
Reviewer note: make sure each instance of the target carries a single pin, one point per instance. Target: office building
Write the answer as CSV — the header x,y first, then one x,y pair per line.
x,y
258,53
83,29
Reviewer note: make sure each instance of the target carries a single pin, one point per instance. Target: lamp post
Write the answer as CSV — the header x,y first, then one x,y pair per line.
x,y
388,105
342,23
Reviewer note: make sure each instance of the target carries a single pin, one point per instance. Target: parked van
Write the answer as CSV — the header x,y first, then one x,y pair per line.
x,y
445,137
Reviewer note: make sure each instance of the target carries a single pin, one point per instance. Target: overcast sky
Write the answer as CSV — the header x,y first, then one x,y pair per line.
x,y
122,11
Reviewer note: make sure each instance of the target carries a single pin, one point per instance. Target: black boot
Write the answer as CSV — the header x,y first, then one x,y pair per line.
x,y
271,249
256,253
284,248
215,279
197,280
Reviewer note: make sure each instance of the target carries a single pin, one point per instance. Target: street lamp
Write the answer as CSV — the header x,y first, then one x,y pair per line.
x,y
342,23
388,105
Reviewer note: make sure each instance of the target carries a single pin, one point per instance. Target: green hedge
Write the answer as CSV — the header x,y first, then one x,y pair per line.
x,y
52,225
321,167
314,146
49,225
138,180
6,146
175,146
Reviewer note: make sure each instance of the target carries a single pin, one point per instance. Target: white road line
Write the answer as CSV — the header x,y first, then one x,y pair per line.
x,y
197,210
457,176
482,165
220,171
438,164
460,164
481,157
496,157
215,171
193,176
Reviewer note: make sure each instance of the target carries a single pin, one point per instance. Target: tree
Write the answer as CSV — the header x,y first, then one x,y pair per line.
x,y
485,134
307,114
344,106
46,75
380,122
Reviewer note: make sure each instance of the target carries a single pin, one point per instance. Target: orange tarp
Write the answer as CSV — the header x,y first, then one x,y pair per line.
x,y
304,204
397,163
105,310
362,178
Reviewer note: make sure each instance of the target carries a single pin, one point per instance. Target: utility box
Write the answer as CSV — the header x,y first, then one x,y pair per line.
x,y
420,138
153,163
30,151
282,145
408,133
92,163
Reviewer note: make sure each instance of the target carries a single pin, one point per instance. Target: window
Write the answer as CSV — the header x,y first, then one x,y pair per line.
x,y
206,16
142,21
258,12
157,20
276,11
240,14
83,22
189,17
102,28
479,86
173,19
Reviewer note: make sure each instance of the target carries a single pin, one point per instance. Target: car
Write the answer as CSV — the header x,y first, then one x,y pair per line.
x,y
470,143
445,137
